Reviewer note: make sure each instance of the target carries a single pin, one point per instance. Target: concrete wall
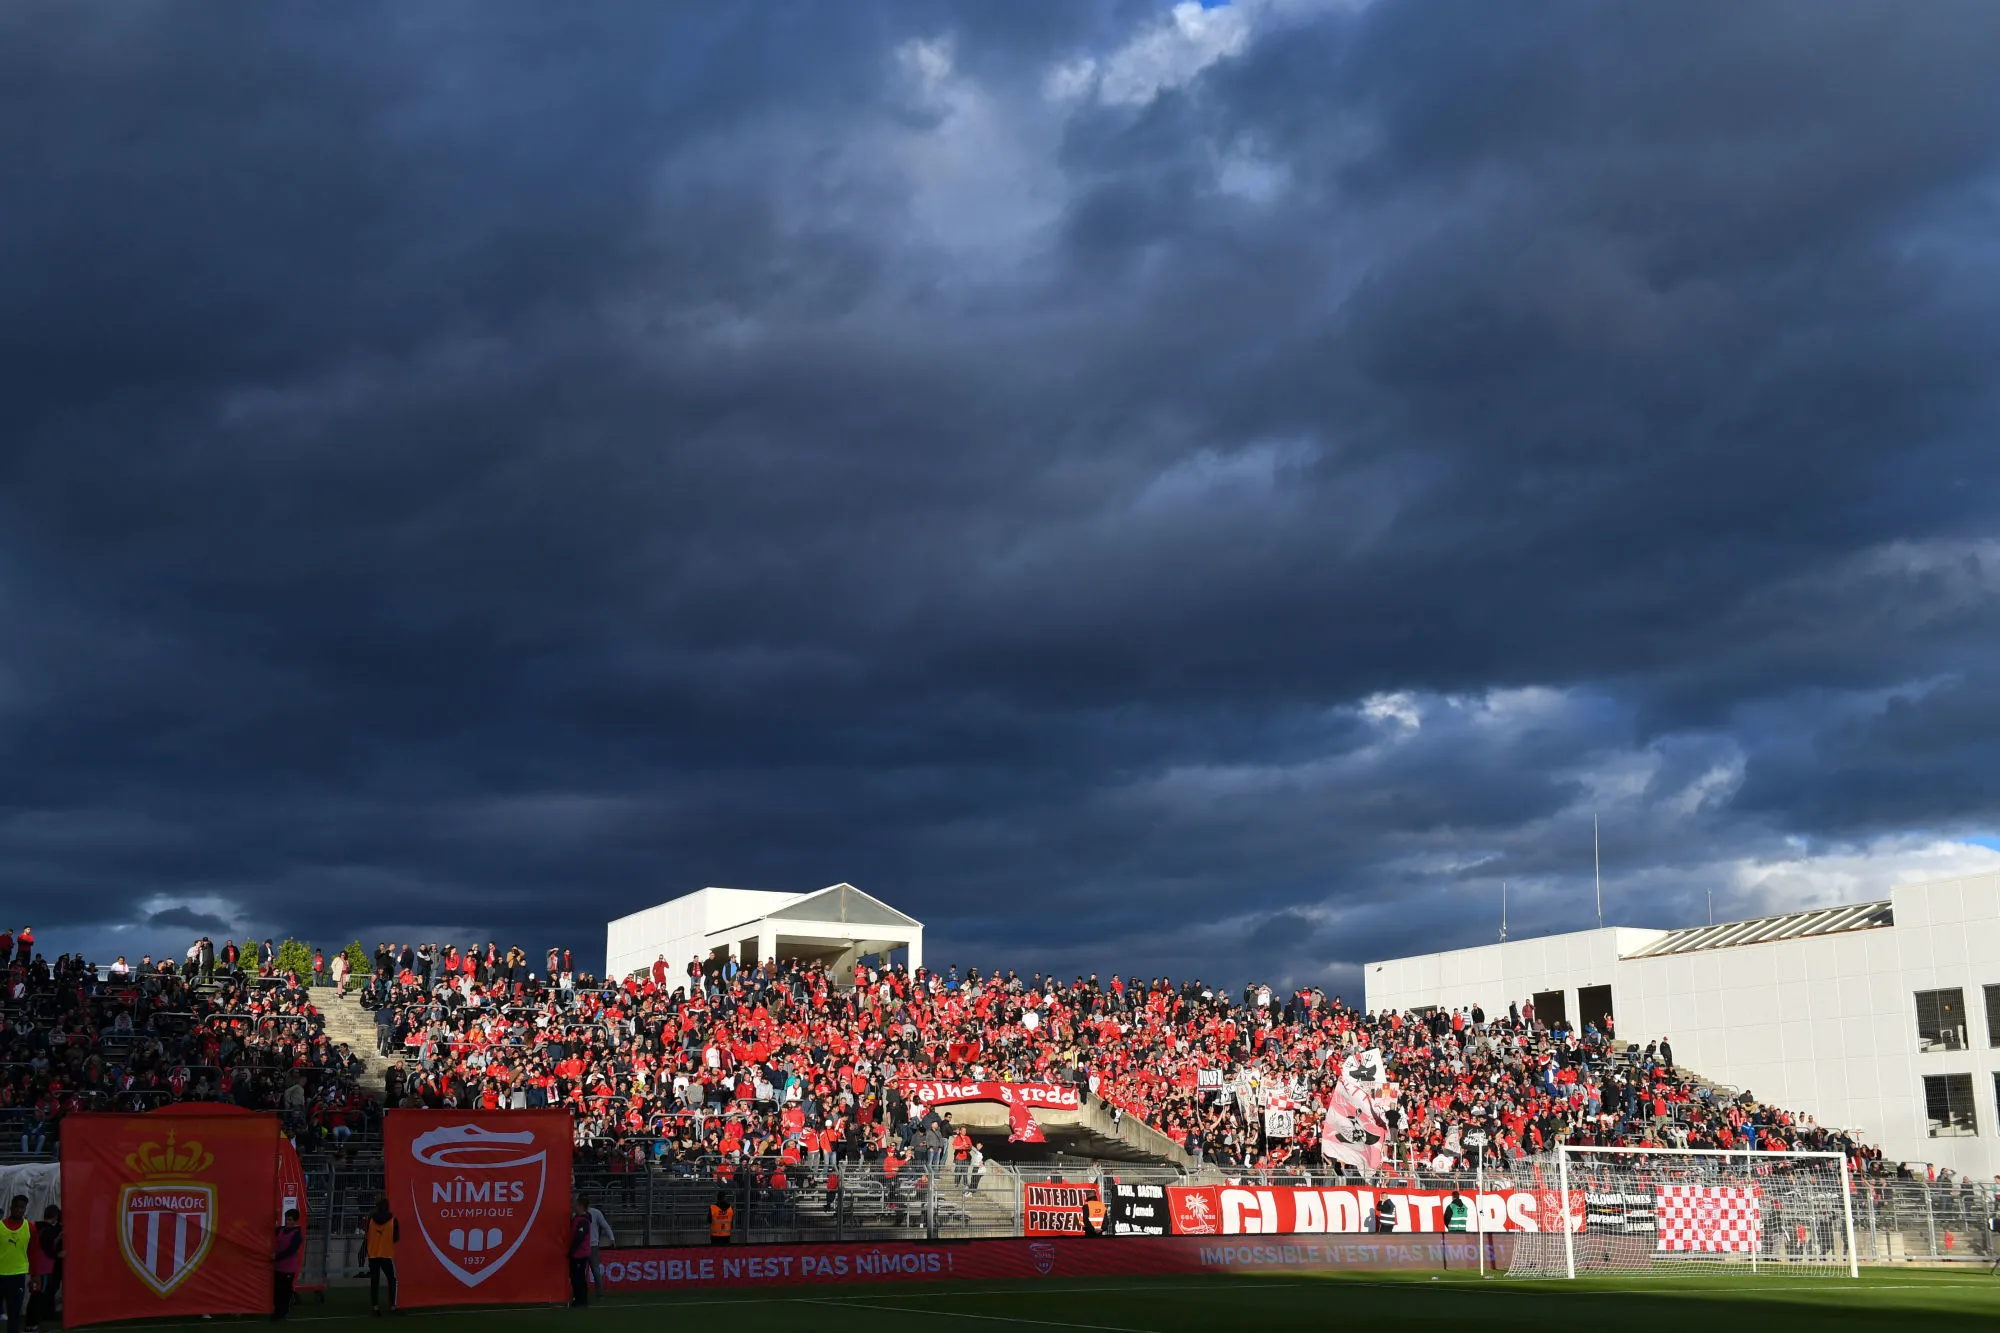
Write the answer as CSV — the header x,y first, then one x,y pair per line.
x,y
679,929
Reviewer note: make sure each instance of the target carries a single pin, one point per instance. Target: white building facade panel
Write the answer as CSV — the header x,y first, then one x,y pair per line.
x,y
1825,1024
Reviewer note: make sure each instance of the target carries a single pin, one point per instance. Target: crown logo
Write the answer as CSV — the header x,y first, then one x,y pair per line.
x,y
150,1159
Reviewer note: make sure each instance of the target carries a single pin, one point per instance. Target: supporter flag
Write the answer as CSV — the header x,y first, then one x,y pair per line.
x,y
1354,1130
1365,1067
168,1218
483,1197
1021,1127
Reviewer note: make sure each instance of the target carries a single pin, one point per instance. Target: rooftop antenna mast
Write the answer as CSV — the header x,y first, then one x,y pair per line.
x,y
1597,864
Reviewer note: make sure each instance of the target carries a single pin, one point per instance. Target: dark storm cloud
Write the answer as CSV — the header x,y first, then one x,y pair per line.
x,y
185,919
1133,497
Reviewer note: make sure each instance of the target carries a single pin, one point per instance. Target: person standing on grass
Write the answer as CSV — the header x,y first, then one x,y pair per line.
x,y
579,1254
1457,1214
600,1234
383,1232
286,1258
16,1235
45,1268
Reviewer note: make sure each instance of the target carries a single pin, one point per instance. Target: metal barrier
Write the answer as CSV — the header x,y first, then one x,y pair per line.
x,y
1895,1220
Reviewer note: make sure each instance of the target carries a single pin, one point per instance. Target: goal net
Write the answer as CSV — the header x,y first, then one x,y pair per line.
x,y
1692,1210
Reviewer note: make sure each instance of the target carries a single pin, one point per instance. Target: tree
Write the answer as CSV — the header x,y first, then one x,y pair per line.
x,y
358,961
295,957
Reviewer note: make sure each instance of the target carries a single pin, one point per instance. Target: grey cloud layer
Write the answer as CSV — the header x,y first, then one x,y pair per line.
x,y
487,469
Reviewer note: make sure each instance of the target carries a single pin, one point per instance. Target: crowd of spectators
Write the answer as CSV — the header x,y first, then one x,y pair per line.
x,y
700,1067
80,1036
707,1065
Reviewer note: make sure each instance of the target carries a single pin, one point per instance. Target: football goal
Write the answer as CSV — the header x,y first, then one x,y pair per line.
x,y
1694,1210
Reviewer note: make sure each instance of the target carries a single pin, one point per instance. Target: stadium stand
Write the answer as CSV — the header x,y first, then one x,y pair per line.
x,y
78,1036
713,1070
703,1068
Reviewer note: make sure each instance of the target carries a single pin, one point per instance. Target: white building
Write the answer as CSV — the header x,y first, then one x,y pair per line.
x,y
1880,1017
837,925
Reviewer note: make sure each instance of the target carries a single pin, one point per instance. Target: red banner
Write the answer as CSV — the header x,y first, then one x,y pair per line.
x,y
1016,1097
696,1269
168,1217
1276,1210
290,1191
943,1092
484,1202
1054,1209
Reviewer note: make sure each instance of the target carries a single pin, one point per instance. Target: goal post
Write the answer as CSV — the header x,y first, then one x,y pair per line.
x,y
1694,1210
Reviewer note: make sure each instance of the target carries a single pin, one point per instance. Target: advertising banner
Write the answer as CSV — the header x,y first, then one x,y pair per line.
x,y
702,1269
484,1202
170,1217
1055,1209
1231,1210
1135,1210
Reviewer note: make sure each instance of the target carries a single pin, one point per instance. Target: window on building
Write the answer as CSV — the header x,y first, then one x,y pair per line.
x,y
1948,1106
1993,1015
1941,1020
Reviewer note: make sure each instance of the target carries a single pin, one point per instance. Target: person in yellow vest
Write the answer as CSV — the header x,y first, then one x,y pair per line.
x,y
721,1219
16,1235
383,1233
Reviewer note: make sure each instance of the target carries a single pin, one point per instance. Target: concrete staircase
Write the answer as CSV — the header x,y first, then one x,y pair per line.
x,y
349,1024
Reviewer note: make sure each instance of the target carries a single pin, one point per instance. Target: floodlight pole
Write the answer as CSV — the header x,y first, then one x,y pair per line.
x,y
1503,911
1597,865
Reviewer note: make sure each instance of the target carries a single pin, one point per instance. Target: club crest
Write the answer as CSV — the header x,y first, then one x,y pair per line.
x,y
166,1219
475,1194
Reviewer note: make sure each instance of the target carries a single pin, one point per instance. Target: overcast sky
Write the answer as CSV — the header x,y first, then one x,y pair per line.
x,y
1146,489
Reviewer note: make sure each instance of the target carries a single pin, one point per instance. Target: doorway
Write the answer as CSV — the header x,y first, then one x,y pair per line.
x,y
1593,1007
1549,1008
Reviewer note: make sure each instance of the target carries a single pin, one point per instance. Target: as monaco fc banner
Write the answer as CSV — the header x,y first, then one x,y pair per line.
x,y
168,1217
483,1197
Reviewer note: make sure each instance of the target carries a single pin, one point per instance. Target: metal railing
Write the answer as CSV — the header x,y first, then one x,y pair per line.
x,y
1896,1220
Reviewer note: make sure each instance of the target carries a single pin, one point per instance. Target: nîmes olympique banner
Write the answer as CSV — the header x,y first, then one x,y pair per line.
x,y
483,1197
168,1217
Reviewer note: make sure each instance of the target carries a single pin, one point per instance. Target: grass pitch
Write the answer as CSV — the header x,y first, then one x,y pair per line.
x,y
1883,1298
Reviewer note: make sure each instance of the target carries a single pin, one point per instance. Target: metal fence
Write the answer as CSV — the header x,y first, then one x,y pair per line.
x,y
857,1201
1895,1220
